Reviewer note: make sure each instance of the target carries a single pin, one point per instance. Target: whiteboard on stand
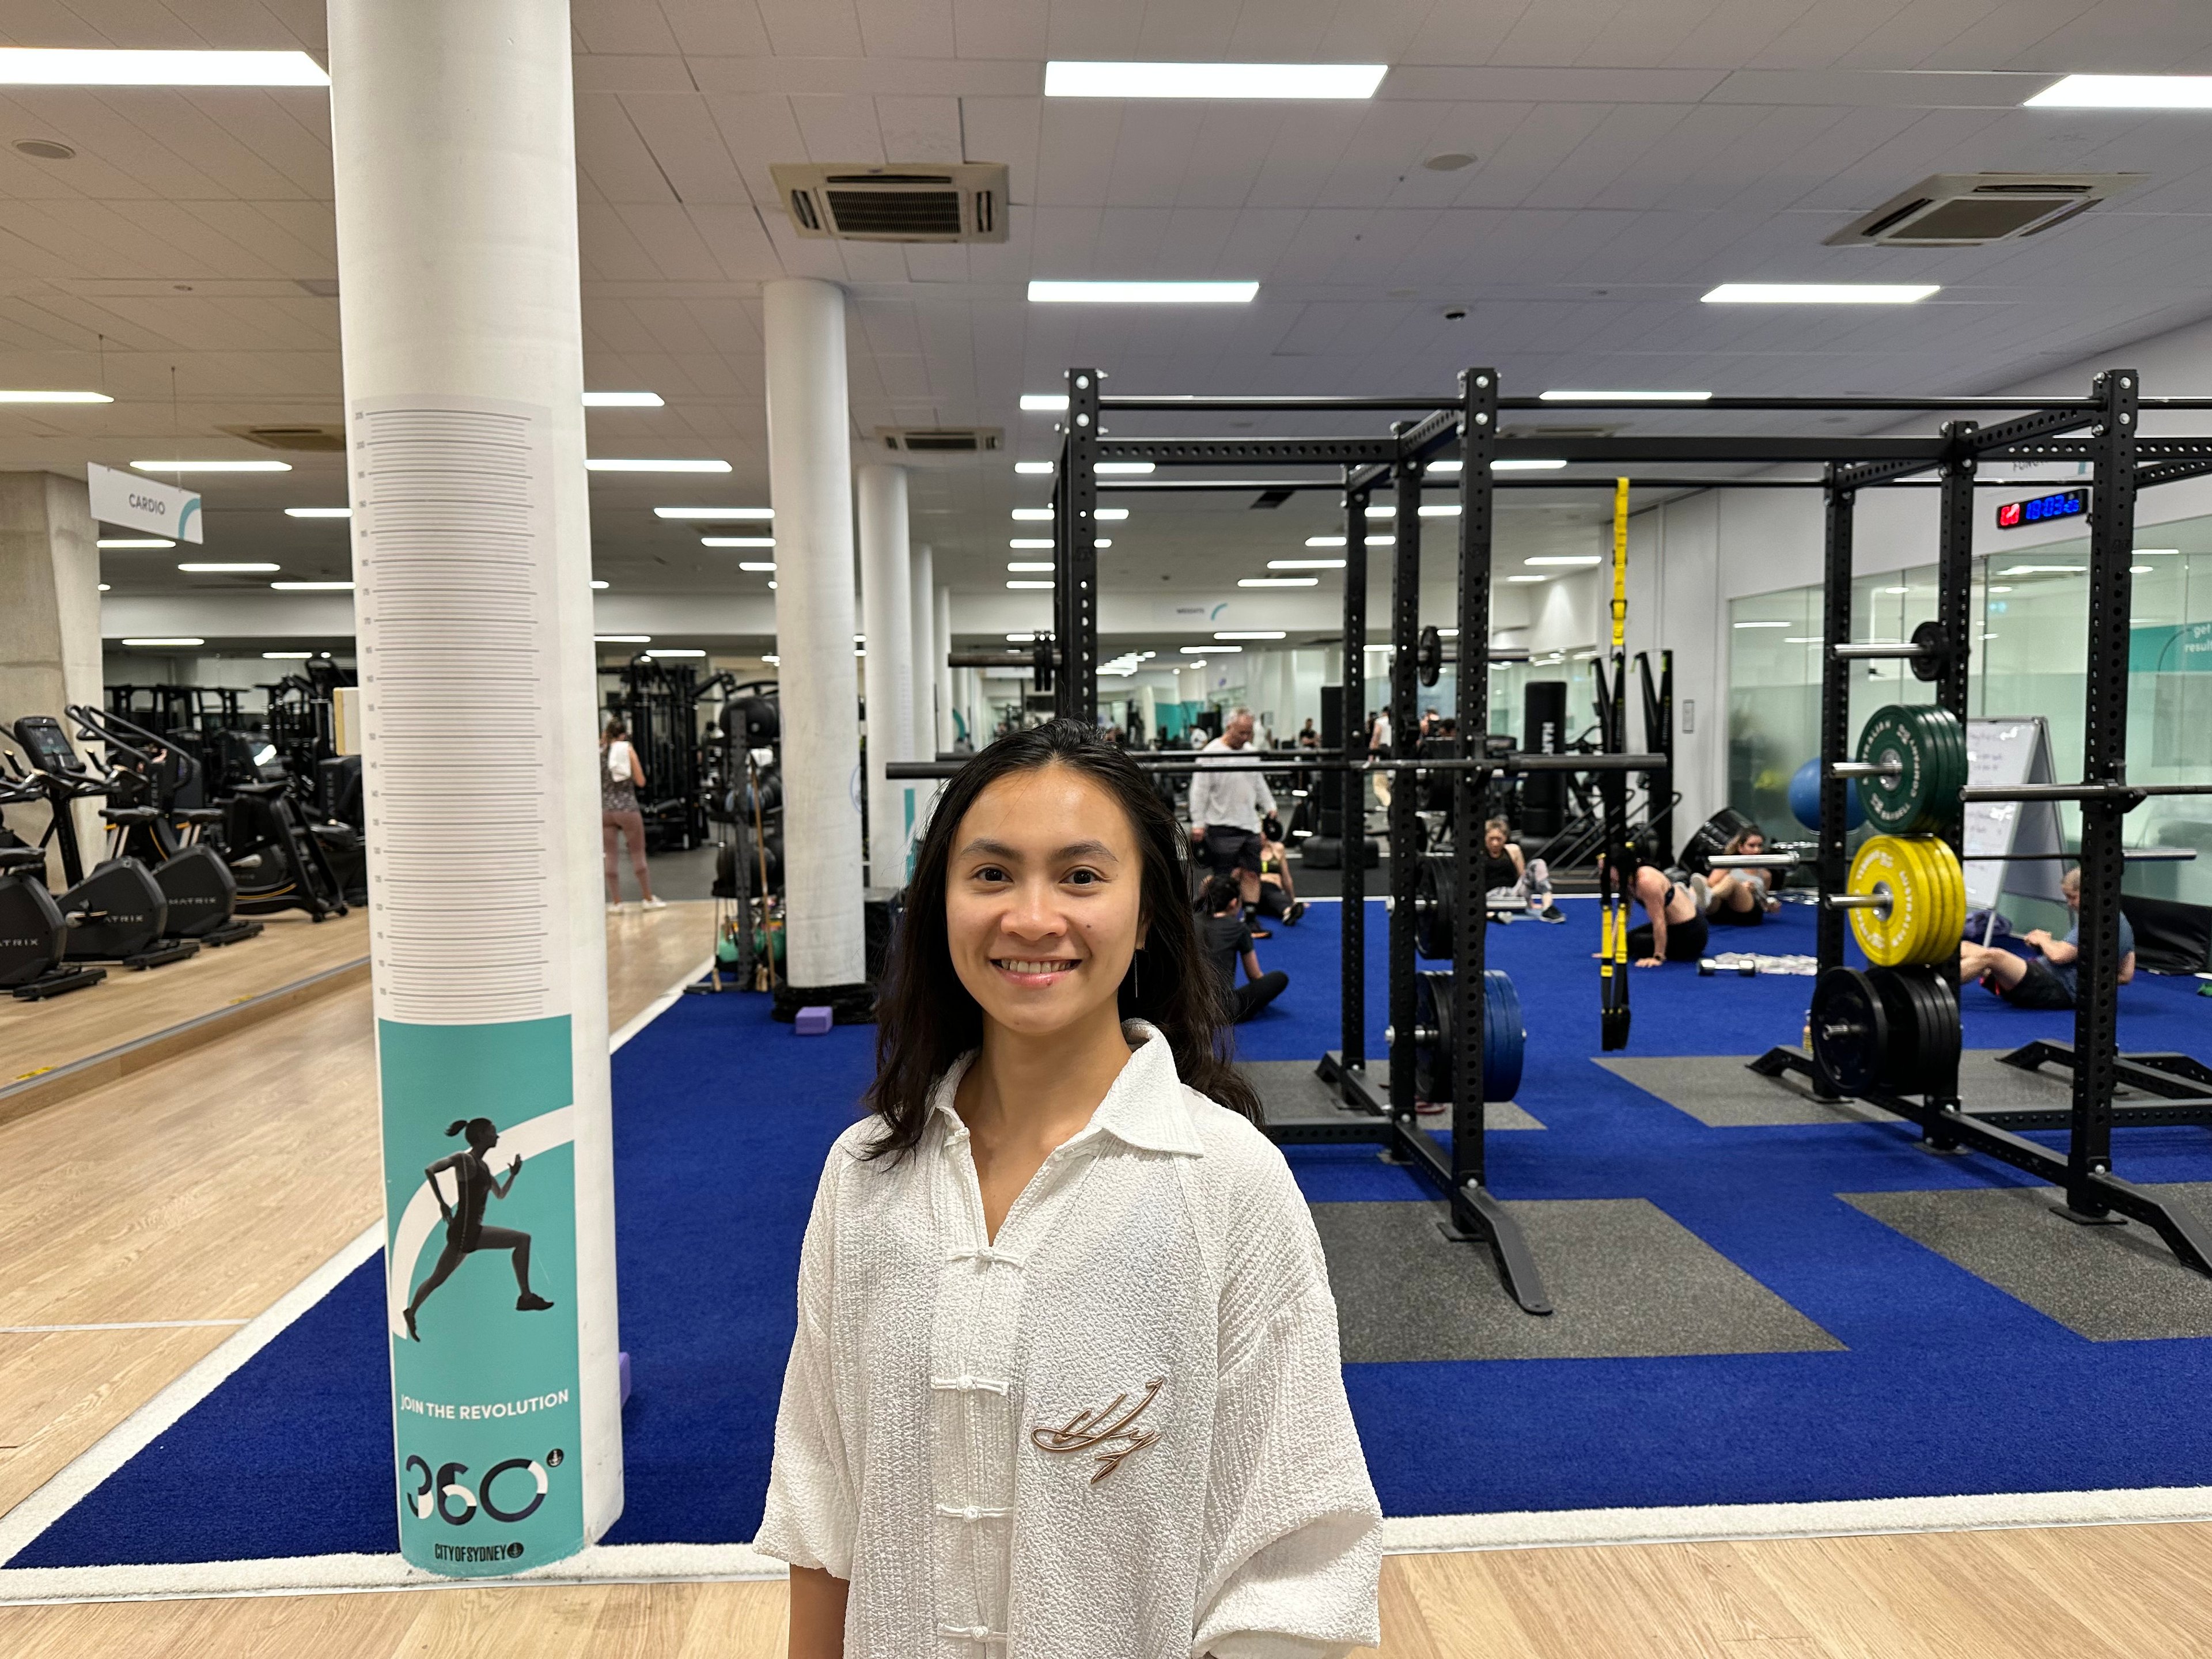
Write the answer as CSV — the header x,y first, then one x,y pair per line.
x,y
2016,843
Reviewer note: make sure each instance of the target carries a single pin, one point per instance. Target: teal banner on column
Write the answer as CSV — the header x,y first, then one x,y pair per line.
x,y
480,1209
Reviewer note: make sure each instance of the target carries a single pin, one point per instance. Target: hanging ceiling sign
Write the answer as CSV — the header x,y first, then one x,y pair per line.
x,y
2042,509
136,503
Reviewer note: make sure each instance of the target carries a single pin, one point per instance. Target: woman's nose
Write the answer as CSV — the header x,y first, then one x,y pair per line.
x,y
1035,912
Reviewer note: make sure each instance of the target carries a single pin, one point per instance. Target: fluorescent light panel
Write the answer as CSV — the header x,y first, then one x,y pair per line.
x,y
312,587
677,651
1251,633
622,400
1141,293
1065,78
1028,564
736,541
1028,583
1279,582
58,66
134,541
213,466
1564,396
319,513
1820,294
1305,564
1201,650
2126,92
286,656
1034,515
639,464
713,512
1568,559
55,398
1042,402
180,639
758,567
249,567
621,639
1029,544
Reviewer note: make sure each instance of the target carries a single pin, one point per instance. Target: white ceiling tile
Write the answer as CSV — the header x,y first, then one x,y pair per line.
x,y
733,234
717,28
670,239
907,28
812,29
682,134
838,129
613,154
625,27
999,28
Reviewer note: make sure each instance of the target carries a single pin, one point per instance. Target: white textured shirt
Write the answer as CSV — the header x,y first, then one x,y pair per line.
x,y
1219,795
1118,1432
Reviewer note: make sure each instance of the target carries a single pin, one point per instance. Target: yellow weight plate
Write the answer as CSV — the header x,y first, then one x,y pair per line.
x,y
1952,875
1912,924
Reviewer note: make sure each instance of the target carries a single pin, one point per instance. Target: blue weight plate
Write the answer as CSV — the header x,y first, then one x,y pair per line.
x,y
1503,1040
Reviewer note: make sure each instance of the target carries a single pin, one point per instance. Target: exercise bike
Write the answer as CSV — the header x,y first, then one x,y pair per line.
x,y
145,776
34,935
117,913
272,848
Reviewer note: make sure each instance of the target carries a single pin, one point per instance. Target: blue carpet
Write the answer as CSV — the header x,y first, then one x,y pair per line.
x,y
722,1119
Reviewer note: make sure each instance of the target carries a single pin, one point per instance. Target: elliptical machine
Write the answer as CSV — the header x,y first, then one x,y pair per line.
x,y
280,862
116,914
145,775
34,935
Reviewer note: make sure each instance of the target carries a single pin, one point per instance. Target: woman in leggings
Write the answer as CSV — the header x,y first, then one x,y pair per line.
x,y
619,777
465,1233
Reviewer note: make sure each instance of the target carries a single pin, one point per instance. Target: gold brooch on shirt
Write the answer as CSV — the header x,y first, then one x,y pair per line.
x,y
1103,1429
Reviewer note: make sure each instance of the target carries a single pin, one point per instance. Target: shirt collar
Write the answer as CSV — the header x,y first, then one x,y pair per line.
x,y
1144,1108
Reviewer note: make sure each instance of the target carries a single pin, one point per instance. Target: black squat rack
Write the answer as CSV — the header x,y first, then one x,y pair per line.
x,y
2122,462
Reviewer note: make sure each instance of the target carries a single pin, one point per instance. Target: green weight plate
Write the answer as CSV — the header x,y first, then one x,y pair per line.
x,y
1901,803
1850,1029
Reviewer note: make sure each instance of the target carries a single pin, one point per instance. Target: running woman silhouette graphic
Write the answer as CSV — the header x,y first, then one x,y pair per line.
x,y
466,1232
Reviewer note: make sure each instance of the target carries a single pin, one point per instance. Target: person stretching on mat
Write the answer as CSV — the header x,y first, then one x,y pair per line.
x,y
1742,897
2052,981
1065,1376
465,1233
1227,941
1676,932
1511,878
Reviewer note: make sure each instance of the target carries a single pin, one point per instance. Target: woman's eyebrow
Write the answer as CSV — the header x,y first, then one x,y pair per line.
x,y
1077,849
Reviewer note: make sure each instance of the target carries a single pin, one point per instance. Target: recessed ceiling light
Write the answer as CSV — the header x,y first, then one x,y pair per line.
x,y
312,587
1034,515
1251,633
1625,397
713,512
1033,469
1820,294
1040,403
1029,544
213,466
621,639
180,639
1141,293
286,656
1762,624
1066,78
1279,582
736,541
319,513
1567,559
45,149
54,396
1028,564
677,651
1450,162
757,567
2126,92
1305,564
1028,583
622,400
134,541
66,66
1101,542
637,464
596,585
103,587
250,568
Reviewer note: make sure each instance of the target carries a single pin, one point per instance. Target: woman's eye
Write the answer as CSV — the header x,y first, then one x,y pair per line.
x,y
990,873
1082,878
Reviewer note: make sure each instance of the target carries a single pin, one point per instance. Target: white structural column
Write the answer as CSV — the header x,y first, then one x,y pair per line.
x,y
453,154
922,663
940,664
886,590
49,626
810,479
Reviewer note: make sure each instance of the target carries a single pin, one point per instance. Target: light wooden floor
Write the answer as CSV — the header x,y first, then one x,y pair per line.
x,y
203,1188
37,1036
2086,1592
139,1202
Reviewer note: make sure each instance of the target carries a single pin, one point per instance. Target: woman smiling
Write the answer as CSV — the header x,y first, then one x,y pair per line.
x,y
1065,1376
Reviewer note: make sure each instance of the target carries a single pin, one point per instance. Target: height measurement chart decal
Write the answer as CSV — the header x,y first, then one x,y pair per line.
x,y
452,513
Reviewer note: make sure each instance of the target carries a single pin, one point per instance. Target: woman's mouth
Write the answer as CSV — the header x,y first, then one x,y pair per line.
x,y
1033,970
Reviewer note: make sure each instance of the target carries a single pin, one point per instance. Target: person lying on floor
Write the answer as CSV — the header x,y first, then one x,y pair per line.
x,y
1676,932
2049,981
1744,897
1227,941
1511,879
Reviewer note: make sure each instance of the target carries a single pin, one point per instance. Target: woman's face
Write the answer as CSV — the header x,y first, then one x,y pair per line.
x,y
1754,843
1493,840
1043,900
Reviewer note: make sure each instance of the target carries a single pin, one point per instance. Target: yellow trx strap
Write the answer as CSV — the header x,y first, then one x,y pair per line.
x,y
1619,563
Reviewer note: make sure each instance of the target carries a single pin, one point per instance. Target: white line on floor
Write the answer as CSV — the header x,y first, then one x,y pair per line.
x,y
20,1525
120,1325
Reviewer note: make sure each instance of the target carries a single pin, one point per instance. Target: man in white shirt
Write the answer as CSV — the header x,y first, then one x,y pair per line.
x,y
1226,807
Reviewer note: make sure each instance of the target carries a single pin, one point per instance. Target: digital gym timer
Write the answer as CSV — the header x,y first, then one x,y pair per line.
x,y
2067,504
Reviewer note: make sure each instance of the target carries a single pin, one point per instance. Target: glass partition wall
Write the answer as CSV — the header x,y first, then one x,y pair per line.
x,y
2031,610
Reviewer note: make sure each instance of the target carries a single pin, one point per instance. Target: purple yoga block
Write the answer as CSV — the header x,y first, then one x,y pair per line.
x,y
813,1022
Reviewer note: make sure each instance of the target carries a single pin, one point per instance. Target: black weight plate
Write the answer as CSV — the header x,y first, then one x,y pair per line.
x,y
1435,890
1850,1029
1929,639
1936,1062
1434,1011
1899,1063
1429,655
1503,1042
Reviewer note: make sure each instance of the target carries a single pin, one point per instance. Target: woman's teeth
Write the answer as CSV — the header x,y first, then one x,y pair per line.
x,y
1014,965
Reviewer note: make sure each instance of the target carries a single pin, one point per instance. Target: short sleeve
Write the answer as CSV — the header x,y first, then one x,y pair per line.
x,y
1291,1555
812,1515
1244,938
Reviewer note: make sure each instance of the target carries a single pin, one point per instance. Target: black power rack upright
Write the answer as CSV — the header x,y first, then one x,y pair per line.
x,y
2122,462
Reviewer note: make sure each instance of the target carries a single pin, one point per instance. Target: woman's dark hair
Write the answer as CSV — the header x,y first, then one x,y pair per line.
x,y
1736,840
1218,894
615,729
482,1131
924,1018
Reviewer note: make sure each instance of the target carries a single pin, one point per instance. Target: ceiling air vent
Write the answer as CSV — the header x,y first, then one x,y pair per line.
x,y
1966,209
319,440
964,202
919,441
